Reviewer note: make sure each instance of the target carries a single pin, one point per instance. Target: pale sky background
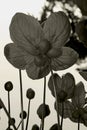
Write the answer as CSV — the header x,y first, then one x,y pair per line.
x,y
9,73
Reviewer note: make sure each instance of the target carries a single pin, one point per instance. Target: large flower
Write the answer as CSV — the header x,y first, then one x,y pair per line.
x,y
36,49
76,110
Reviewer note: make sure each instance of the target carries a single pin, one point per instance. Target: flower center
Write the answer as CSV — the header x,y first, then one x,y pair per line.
x,y
62,96
44,46
41,60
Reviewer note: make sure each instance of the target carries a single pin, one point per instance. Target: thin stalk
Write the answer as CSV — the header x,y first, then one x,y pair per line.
x,y
9,108
19,124
57,106
44,100
28,113
79,124
21,97
7,113
62,115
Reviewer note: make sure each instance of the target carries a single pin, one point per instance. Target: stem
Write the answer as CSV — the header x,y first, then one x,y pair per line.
x,y
57,106
62,115
28,115
9,108
78,123
21,97
44,100
19,124
3,106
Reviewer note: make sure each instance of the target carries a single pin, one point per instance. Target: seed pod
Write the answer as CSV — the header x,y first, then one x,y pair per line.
x,y
43,111
30,93
12,121
56,127
24,115
35,127
8,86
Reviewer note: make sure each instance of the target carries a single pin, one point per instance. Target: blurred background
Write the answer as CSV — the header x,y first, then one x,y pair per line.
x,y
41,9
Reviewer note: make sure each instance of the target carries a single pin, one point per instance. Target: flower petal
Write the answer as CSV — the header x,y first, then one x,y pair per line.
x,y
68,84
68,108
78,99
15,55
66,60
58,83
57,29
36,72
83,74
26,32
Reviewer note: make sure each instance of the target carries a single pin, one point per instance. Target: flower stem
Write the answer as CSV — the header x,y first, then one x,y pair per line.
x,y
19,124
9,108
7,113
21,97
28,113
78,123
57,106
44,100
62,116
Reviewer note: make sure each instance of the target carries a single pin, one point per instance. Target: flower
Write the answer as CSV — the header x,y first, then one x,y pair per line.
x,y
64,86
76,109
35,49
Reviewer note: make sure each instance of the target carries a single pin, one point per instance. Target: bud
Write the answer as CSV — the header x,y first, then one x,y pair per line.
x,y
30,93
8,86
35,127
12,121
56,127
24,115
43,111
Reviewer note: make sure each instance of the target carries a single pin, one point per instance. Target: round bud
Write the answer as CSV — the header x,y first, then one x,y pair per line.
x,y
30,93
24,115
40,60
56,127
8,86
43,111
35,127
12,121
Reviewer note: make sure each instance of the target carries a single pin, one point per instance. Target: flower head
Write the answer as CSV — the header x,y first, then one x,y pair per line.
x,y
76,109
36,48
64,86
